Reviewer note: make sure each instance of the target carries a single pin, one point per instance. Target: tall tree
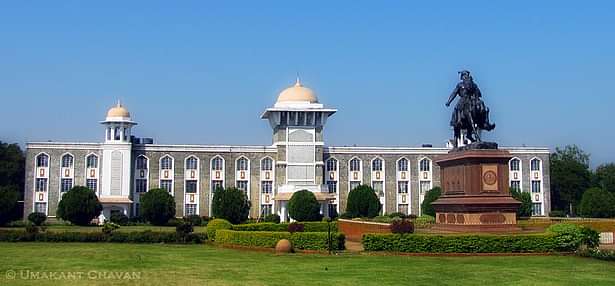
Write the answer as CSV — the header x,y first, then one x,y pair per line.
x,y
604,177
12,166
570,176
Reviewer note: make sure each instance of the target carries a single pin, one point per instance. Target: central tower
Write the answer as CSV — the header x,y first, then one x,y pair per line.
x,y
297,120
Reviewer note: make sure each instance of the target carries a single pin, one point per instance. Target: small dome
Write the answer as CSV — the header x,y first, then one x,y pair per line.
x,y
118,111
298,93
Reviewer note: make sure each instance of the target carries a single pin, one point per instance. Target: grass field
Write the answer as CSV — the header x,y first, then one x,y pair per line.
x,y
158,264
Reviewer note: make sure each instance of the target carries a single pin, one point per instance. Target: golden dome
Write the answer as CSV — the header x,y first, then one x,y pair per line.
x,y
298,93
118,111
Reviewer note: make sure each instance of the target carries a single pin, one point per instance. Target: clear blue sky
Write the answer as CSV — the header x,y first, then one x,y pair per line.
x,y
197,72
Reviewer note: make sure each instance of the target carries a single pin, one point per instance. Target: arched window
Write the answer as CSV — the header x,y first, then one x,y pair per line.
x,y
331,165
67,161
267,164
242,164
141,163
355,165
117,133
91,161
402,165
425,165
42,161
217,164
192,163
377,164
515,164
166,163
535,164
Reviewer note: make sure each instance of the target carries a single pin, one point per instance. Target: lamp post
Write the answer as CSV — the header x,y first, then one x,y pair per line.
x,y
329,234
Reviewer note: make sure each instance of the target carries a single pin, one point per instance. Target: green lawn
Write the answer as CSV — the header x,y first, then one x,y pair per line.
x,y
207,265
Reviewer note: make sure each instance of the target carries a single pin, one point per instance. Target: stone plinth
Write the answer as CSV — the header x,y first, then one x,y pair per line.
x,y
475,192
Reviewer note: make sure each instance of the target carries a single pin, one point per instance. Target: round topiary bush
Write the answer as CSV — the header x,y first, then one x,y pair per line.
x,y
597,202
157,206
430,197
363,202
216,224
79,206
119,218
303,206
8,202
231,204
37,218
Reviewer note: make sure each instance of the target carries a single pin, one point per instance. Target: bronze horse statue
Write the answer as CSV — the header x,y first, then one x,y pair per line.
x,y
470,113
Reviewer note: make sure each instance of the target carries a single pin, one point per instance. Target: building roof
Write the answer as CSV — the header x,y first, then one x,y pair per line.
x,y
118,111
297,93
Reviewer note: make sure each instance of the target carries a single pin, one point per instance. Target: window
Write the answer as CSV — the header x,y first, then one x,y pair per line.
x,y
192,163
355,165
425,165
190,209
141,185
515,185
402,208
108,133
217,164
92,184
125,134
354,184
402,165
425,186
67,161
216,184
402,187
41,185
42,161
166,163
167,185
331,165
332,186
535,186
40,207
535,165
266,210
66,185
514,164
536,209
92,161
267,164
267,187
242,164
117,133
377,165
137,207
378,187
242,185
141,163
191,186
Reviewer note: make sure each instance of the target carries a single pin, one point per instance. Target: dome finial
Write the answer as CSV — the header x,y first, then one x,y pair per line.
x,y
298,82
119,103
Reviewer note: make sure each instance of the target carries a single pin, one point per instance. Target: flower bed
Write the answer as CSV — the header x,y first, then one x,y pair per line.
x,y
268,239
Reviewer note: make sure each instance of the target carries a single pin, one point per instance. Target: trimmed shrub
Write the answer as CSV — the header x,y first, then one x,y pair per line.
x,y
308,226
216,224
402,226
525,210
268,239
398,214
157,206
274,218
295,227
363,202
557,213
424,221
90,236
109,227
8,203
79,206
303,206
119,218
430,197
183,230
597,202
230,204
194,220
607,255
37,218
571,236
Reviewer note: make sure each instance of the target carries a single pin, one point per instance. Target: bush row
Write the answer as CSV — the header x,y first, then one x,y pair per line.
x,y
608,255
267,226
268,239
117,237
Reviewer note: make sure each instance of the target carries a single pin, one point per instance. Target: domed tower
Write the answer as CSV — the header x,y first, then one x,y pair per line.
x,y
115,182
297,120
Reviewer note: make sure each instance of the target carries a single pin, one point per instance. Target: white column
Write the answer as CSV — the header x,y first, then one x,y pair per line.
x,y
283,211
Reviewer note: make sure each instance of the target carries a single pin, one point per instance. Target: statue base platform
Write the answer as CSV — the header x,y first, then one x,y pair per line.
x,y
475,194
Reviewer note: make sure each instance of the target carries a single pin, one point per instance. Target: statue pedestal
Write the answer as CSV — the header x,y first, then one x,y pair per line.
x,y
475,192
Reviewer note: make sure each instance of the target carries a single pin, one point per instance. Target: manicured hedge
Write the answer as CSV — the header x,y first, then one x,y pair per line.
x,y
268,239
117,237
268,226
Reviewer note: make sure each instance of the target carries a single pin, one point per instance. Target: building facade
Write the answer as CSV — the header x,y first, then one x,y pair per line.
x,y
123,167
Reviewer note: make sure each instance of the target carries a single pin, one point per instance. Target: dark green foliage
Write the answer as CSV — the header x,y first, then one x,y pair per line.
x,y
195,220
12,167
308,226
402,226
571,236
570,177
295,227
8,203
303,206
557,213
604,177
90,236
183,230
37,218
216,224
363,202
397,214
157,206
119,218
602,254
591,238
79,206
430,197
597,202
109,227
274,218
525,210
346,215
267,239
231,204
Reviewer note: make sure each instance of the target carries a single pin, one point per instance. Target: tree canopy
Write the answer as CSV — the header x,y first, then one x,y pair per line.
x,y
79,206
430,197
363,202
597,202
570,177
525,210
303,206
157,206
231,204
604,177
